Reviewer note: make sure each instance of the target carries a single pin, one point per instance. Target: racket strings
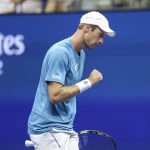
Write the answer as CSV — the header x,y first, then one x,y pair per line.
x,y
91,141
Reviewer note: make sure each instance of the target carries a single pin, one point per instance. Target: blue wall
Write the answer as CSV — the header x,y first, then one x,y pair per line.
x,y
119,105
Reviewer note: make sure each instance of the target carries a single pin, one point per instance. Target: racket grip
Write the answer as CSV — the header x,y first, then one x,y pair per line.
x,y
28,143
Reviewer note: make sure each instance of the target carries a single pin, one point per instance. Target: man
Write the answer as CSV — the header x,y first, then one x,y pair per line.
x,y
50,124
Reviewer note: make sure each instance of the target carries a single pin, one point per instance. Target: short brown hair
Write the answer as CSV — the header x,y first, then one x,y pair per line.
x,y
81,25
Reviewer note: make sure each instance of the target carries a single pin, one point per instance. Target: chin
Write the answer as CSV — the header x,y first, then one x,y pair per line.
x,y
90,46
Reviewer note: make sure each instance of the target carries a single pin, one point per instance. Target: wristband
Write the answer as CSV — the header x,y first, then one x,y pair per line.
x,y
84,85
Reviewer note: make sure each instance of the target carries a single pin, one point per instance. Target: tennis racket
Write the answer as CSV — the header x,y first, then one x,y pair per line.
x,y
96,140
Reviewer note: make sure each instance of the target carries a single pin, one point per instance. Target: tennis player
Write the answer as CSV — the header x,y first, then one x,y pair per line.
x,y
50,123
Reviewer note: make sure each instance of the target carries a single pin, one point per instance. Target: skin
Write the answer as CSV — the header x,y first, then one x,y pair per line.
x,y
82,38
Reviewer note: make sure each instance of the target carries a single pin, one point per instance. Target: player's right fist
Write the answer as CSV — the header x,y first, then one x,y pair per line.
x,y
95,76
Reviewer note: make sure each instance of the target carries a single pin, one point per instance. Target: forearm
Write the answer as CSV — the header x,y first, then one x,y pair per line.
x,y
63,93
58,92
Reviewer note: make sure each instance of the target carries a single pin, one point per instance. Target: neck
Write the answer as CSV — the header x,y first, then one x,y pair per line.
x,y
77,41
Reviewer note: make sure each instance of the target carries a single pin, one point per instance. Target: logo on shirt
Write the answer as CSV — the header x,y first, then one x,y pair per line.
x,y
75,67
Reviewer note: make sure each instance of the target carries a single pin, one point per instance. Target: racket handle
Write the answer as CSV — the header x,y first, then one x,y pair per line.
x,y
28,143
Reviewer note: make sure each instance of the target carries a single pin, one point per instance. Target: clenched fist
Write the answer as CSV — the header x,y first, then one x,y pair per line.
x,y
95,76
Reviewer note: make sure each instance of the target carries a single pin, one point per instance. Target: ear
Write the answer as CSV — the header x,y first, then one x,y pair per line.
x,y
87,28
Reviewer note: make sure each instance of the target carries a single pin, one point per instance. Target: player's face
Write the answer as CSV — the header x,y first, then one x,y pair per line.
x,y
94,38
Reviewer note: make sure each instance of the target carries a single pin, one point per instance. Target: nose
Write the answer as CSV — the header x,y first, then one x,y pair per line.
x,y
101,41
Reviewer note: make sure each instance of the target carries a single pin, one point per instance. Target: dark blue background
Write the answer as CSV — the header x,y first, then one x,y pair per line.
x,y
119,105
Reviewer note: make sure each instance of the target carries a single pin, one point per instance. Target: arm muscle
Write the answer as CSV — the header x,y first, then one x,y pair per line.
x,y
58,93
